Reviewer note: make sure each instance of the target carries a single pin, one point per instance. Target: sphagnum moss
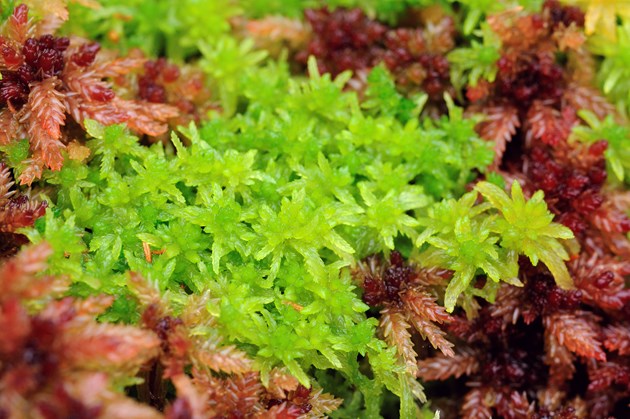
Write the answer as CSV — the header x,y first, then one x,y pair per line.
x,y
271,231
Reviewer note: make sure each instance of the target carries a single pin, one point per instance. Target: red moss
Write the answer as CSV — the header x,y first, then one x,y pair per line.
x,y
294,405
542,297
161,82
64,405
343,39
180,409
16,211
162,326
346,39
150,86
565,15
386,287
414,61
38,59
44,78
405,295
86,54
47,358
573,193
521,79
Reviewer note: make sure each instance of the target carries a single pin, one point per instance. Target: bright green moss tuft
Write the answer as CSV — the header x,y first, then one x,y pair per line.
x,y
617,136
487,238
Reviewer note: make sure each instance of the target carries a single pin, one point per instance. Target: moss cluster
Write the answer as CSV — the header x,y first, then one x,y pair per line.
x,y
271,202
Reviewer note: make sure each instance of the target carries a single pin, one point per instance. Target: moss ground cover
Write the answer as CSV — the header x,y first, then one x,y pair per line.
x,y
301,209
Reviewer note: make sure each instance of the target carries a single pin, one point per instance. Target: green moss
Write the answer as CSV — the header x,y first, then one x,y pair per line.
x,y
272,202
617,136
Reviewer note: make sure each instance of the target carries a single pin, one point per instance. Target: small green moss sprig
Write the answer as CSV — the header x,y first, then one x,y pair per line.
x,y
382,97
471,64
617,137
223,61
526,227
487,238
613,75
